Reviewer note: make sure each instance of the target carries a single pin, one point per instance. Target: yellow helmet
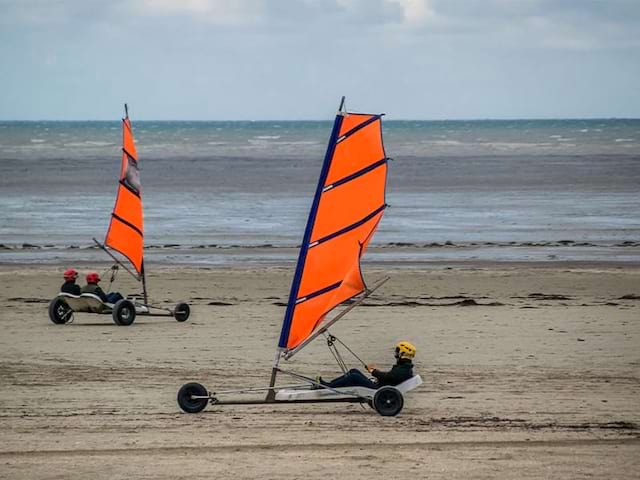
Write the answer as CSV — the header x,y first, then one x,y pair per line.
x,y
405,350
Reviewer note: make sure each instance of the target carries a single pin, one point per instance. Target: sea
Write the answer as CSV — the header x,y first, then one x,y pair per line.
x,y
495,190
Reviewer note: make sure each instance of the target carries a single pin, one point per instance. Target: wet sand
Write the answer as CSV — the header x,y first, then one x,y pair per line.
x,y
531,371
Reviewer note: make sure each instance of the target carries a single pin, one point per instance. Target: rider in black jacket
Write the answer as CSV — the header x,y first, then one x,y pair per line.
x,y
92,287
69,285
401,371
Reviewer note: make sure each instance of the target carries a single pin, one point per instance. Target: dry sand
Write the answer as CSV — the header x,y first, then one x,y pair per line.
x,y
540,378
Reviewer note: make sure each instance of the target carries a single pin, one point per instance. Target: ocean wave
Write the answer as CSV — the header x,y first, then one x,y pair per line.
x,y
620,140
444,142
516,145
37,140
89,143
263,143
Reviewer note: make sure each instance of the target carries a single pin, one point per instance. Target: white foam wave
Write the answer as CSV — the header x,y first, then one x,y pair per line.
x,y
89,143
444,142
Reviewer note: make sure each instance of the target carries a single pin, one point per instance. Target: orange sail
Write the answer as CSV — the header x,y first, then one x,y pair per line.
x,y
126,230
347,207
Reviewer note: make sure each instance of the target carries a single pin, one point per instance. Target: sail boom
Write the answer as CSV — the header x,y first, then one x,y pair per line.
x,y
325,327
117,260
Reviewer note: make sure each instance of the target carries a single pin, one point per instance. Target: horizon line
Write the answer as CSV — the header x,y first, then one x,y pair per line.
x,y
473,119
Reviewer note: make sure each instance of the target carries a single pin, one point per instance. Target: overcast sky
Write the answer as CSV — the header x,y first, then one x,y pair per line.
x,y
293,59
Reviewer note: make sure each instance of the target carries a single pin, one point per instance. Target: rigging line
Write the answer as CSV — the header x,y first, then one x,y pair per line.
x,y
114,272
335,348
349,350
338,360
336,354
343,364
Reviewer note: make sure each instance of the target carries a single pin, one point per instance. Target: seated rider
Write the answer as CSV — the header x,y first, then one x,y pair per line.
x,y
92,287
401,371
69,285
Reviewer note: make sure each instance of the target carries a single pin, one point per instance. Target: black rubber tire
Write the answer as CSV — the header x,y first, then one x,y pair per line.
x,y
191,405
124,312
181,312
388,401
59,312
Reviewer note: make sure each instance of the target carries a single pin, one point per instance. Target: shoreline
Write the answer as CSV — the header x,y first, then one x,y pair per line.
x,y
403,255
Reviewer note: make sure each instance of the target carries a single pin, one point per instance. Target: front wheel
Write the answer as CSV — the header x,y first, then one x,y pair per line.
x,y
59,312
186,401
182,312
388,401
124,312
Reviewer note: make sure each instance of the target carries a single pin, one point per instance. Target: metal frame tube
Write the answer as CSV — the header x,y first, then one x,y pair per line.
x,y
281,402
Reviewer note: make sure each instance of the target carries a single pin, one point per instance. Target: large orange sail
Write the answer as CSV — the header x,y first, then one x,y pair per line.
x,y
126,230
347,207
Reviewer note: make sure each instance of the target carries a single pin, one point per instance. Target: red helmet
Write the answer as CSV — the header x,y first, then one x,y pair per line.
x,y
70,274
93,277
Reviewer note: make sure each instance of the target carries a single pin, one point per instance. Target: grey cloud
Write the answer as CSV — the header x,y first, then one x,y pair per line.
x,y
468,58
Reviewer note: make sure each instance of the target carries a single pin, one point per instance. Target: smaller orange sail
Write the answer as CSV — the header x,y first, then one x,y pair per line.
x,y
126,230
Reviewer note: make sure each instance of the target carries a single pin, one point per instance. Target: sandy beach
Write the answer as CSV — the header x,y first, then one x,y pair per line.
x,y
531,371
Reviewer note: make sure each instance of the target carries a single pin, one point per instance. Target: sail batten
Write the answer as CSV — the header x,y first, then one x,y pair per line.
x,y
348,228
357,174
347,208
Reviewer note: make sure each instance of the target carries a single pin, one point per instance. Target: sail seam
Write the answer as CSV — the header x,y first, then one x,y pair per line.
x,y
317,293
355,175
129,155
357,128
128,224
124,184
347,229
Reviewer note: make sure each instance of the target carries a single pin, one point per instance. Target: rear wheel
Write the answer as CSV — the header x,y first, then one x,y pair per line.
x,y
186,401
182,312
124,312
59,312
388,401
